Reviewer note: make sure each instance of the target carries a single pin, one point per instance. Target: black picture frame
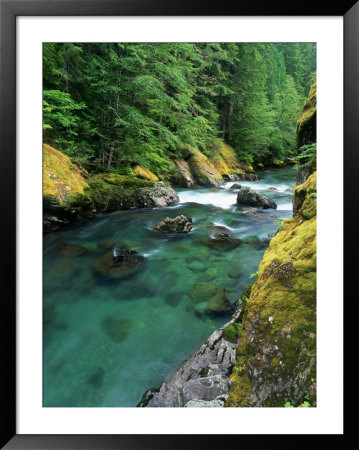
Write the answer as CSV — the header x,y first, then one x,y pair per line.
x,y
9,10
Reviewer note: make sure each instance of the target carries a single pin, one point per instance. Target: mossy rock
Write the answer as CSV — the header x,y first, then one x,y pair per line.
x,y
231,333
61,178
307,120
203,170
141,172
276,352
116,328
181,175
226,161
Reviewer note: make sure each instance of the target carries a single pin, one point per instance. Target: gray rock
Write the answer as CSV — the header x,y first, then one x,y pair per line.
x,y
158,195
179,224
216,403
248,196
203,381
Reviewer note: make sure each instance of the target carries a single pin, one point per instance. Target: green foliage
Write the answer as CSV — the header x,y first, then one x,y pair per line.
x,y
306,152
111,105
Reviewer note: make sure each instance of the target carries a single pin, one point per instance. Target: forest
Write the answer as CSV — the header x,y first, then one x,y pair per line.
x,y
108,106
179,224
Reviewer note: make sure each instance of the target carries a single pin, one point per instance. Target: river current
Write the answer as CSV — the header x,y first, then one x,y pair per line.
x,y
87,363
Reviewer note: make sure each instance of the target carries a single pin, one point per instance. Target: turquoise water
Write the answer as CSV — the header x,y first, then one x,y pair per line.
x,y
106,342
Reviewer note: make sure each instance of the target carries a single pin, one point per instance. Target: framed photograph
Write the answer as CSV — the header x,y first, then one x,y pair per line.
x,y
169,191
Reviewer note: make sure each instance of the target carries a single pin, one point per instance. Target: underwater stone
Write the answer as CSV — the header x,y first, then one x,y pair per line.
x,y
116,328
197,266
71,250
222,241
115,266
96,379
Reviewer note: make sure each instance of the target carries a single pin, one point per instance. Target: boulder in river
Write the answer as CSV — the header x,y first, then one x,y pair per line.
x,y
179,224
248,196
117,265
222,241
236,186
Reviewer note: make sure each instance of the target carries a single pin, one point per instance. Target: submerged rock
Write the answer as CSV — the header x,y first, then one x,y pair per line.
x,y
248,196
235,272
197,266
96,379
222,241
108,244
209,299
118,265
179,224
236,186
272,188
71,250
116,328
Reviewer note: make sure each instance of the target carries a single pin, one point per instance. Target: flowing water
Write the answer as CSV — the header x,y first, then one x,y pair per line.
x,y
107,341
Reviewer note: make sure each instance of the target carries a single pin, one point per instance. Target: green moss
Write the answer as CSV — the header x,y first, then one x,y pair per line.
x,y
141,172
61,178
280,315
204,372
231,333
225,159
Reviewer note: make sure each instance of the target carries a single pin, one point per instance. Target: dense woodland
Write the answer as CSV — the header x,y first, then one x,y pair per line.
x,y
108,106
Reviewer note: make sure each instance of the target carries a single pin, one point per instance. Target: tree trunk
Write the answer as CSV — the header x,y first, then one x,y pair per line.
x,y
109,161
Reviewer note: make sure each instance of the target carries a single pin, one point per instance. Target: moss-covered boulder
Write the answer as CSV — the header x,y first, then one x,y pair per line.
x,y
63,183
202,169
276,353
61,178
307,120
225,160
181,175
110,192
143,173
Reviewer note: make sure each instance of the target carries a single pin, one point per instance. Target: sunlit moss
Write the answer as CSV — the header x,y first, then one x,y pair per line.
x,y
61,178
144,173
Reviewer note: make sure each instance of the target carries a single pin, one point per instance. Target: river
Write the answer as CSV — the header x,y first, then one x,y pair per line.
x,y
84,363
